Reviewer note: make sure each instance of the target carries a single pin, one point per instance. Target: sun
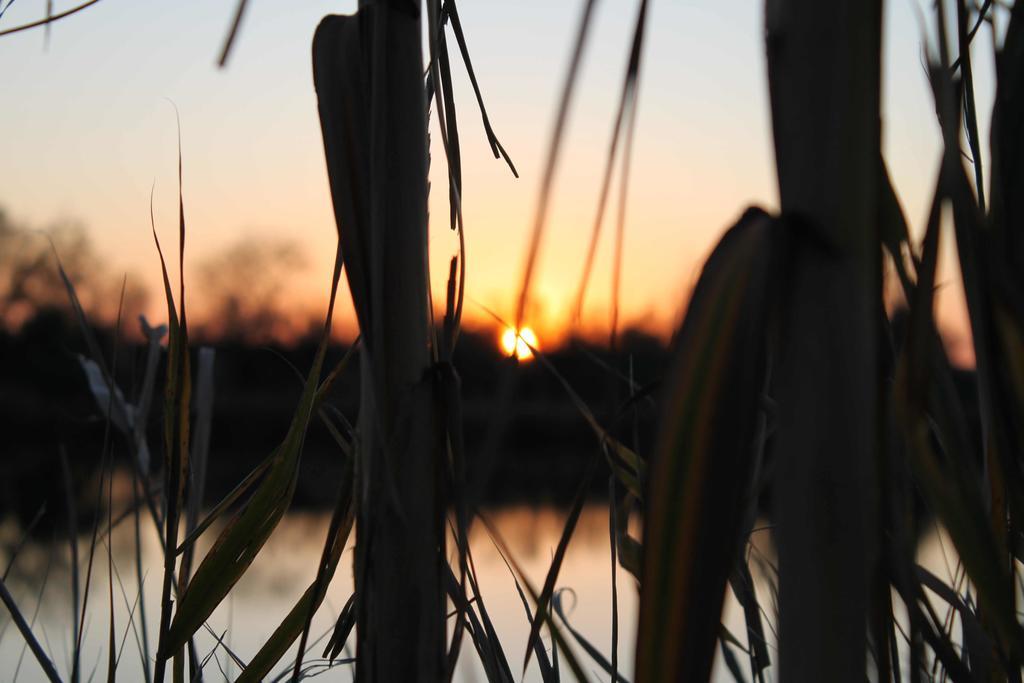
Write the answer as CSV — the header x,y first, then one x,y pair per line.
x,y
520,345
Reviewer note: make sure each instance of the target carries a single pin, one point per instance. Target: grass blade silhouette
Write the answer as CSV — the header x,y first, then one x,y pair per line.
x,y
696,499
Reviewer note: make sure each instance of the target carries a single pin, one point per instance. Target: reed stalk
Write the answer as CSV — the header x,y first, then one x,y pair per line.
x,y
824,73
368,70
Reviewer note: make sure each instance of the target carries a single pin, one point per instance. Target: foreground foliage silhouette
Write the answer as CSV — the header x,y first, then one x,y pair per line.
x,y
790,383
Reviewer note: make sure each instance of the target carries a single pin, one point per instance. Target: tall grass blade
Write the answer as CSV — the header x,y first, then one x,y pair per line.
x,y
35,612
554,147
200,451
26,633
177,401
620,227
112,635
69,497
229,42
627,103
613,543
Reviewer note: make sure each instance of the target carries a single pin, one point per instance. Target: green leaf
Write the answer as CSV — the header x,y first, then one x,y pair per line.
x,y
244,536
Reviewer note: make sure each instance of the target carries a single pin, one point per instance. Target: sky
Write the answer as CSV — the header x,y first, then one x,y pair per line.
x,y
89,129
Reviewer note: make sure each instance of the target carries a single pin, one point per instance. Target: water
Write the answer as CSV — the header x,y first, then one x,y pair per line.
x,y
283,570
287,566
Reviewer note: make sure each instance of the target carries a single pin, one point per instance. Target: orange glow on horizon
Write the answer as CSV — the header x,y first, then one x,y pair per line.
x,y
519,344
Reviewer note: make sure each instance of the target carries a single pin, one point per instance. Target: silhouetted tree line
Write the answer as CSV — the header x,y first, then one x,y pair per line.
x,y
46,406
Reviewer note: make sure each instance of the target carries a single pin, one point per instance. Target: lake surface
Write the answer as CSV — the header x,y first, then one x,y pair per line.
x,y
287,566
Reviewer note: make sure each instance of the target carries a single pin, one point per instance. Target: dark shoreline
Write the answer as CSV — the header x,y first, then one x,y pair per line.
x,y
46,406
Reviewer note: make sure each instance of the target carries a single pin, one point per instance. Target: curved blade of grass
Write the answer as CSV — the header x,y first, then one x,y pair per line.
x,y
49,19
338,74
595,654
243,538
544,599
233,496
731,663
556,633
706,446
496,146
250,479
297,621
547,673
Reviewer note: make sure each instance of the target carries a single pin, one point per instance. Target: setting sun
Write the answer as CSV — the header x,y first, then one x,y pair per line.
x,y
519,345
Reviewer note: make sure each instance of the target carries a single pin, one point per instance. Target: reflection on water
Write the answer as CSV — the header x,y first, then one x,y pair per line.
x,y
282,572
286,567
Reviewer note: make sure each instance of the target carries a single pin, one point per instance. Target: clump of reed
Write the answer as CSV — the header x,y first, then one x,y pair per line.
x,y
788,380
